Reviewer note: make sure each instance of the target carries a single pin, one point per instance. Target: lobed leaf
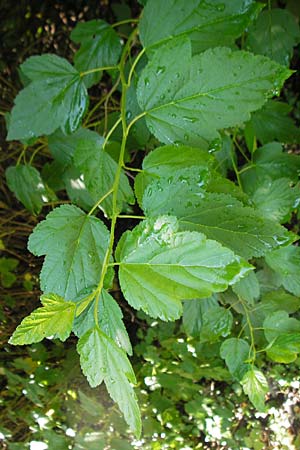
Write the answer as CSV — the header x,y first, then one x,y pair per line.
x,y
159,266
286,263
55,319
255,386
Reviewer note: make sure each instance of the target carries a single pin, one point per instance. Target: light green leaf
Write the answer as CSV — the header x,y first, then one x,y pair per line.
x,y
56,98
27,185
286,263
236,352
193,311
272,123
188,99
279,299
255,386
219,216
285,348
207,24
54,318
100,47
62,146
101,359
270,160
109,318
217,322
74,244
275,199
274,34
248,288
99,170
159,266
279,323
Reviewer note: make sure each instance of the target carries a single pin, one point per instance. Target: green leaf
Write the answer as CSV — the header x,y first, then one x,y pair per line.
x,y
55,318
74,244
101,359
219,216
207,24
275,199
276,300
159,266
99,170
100,47
286,263
6,276
272,123
270,160
56,98
248,288
285,348
235,352
76,189
109,318
188,99
193,311
255,386
217,322
62,146
274,34
279,323
27,185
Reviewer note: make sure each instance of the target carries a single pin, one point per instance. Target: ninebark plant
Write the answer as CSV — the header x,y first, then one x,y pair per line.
x,y
210,199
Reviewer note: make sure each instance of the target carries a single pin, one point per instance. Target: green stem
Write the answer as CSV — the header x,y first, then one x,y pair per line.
x,y
123,22
126,216
132,169
134,65
116,183
35,152
98,69
111,131
99,202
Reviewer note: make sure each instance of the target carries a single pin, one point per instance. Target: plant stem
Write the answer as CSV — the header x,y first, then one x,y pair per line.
x,y
98,69
99,202
115,187
123,22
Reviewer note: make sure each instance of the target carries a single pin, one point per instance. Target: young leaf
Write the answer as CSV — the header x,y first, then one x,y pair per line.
x,y
109,318
188,99
74,244
218,216
274,34
99,170
271,160
27,185
54,318
286,263
207,25
285,348
193,311
255,386
235,352
100,47
275,199
101,359
159,266
272,123
56,98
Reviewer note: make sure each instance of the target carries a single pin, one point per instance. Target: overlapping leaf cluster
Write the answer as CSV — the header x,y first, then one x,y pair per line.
x,y
211,244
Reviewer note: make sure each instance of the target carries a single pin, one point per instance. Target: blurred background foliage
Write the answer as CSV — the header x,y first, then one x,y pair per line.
x,y
188,399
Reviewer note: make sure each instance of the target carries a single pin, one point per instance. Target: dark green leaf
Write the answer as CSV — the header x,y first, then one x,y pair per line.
x,y
74,244
286,263
272,123
248,288
276,300
160,266
188,99
217,322
56,98
236,352
54,318
274,34
208,24
193,311
99,170
279,323
27,185
63,146
100,47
